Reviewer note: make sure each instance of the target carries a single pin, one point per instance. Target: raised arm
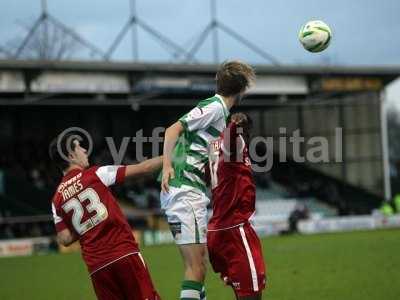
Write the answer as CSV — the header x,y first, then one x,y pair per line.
x,y
231,145
144,168
230,138
171,136
110,175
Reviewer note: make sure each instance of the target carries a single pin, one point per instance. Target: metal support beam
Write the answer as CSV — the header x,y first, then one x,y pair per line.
x,y
6,52
134,22
249,44
29,35
159,36
191,54
134,33
45,29
119,38
77,37
45,19
214,24
177,52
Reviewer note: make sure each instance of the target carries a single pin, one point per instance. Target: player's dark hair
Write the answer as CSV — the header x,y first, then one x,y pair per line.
x,y
59,148
246,125
234,77
247,122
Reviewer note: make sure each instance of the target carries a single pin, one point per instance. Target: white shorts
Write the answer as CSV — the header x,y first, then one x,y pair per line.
x,y
186,210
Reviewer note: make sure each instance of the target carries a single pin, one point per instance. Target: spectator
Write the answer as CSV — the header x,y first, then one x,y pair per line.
x,y
300,212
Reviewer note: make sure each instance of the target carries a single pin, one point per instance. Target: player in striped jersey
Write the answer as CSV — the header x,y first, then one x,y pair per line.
x,y
183,177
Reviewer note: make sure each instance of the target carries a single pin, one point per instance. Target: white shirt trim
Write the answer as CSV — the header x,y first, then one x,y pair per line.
x,y
250,258
57,218
223,103
106,265
226,228
107,174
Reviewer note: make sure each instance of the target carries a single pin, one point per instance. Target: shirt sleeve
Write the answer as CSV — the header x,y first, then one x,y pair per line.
x,y
110,175
202,117
58,221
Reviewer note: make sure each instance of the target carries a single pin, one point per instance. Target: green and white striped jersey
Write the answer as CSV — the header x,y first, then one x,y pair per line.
x,y
202,124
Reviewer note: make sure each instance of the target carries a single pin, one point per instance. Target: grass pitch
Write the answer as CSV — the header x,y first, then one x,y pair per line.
x,y
345,266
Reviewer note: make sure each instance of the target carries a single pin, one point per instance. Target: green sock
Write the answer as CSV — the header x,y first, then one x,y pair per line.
x,y
191,290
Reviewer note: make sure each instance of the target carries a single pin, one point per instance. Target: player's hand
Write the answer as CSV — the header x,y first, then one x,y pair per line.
x,y
167,174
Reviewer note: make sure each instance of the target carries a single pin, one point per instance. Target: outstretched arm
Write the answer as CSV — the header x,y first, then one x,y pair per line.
x,y
110,175
144,168
231,145
171,136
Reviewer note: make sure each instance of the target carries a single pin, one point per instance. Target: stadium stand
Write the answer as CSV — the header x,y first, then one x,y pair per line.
x,y
54,98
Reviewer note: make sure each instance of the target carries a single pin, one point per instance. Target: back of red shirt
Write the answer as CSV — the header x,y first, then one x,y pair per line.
x,y
85,205
233,188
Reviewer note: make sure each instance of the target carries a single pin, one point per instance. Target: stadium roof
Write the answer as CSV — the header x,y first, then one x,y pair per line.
x,y
392,71
29,82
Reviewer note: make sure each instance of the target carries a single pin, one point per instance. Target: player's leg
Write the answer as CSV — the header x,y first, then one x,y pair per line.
x,y
254,297
195,263
242,254
134,279
186,211
252,277
194,259
105,285
193,250
216,249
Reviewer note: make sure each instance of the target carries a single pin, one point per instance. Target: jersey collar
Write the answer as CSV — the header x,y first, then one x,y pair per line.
x,y
226,110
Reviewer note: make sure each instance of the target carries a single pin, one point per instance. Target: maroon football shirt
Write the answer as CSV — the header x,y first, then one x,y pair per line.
x,y
84,204
233,188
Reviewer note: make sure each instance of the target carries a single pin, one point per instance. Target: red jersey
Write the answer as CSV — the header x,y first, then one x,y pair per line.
x,y
233,188
84,204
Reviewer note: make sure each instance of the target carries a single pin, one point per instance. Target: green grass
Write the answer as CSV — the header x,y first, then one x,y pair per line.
x,y
346,266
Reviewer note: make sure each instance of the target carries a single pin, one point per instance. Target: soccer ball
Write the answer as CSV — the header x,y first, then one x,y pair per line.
x,y
315,36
